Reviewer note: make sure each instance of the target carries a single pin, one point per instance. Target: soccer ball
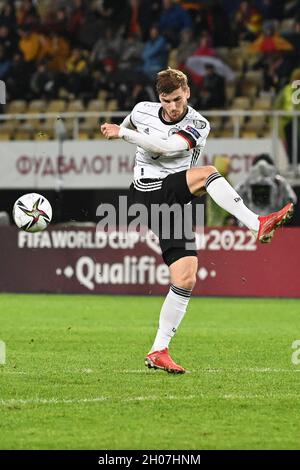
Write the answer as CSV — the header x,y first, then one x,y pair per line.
x,y
32,212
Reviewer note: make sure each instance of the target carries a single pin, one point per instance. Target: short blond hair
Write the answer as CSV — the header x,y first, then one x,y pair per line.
x,y
169,80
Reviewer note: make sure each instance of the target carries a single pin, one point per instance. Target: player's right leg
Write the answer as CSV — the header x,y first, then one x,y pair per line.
x,y
183,278
176,301
208,178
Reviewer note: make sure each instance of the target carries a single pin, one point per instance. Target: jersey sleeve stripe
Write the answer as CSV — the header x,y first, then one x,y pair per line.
x,y
188,137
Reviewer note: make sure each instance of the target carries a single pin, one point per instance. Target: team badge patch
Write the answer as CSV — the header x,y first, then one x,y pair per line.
x,y
199,124
173,131
193,131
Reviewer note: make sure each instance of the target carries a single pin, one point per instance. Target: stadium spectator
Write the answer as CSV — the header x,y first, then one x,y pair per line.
x,y
131,55
77,72
292,34
30,43
58,21
270,9
5,63
270,41
212,93
186,46
216,23
115,82
205,45
247,21
155,53
291,8
230,8
264,190
8,39
17,82
8,15
27,13
116,13
56,50
88,31
277,69
199,12
134,27
284,101
149,14
77,18
43,83
173,20
108,46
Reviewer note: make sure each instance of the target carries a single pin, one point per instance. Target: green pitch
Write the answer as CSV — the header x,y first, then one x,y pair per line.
x,y
74,376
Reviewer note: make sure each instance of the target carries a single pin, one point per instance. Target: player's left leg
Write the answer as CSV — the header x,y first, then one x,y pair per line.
x,y
208,178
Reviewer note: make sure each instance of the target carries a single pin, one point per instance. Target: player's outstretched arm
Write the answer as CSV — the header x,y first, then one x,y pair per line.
x,y
173,144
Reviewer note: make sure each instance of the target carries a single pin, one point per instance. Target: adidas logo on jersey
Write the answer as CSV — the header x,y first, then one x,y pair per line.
x,y
147,131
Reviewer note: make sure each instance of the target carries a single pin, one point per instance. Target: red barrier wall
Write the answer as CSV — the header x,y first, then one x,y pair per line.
x,y
81,260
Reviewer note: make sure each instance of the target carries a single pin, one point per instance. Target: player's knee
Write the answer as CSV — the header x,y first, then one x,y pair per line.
x,y
183,272
209,170
188,282
204,173
186,279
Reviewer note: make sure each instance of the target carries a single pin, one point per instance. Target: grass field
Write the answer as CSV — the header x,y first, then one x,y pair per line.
x,y
75,379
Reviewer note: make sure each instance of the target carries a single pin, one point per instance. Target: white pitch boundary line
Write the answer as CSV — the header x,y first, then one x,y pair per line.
x,y
151,398
249,396
13,372
49,401
217,371
257,370
170,397
146,371
62,401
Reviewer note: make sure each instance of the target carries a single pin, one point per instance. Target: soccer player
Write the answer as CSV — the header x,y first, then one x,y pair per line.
x,y
170,136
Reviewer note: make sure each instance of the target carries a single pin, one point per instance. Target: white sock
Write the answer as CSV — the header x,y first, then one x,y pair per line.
x,y
171,314
226,197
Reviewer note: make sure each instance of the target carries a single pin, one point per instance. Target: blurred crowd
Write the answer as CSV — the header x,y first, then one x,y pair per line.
x,y
75,48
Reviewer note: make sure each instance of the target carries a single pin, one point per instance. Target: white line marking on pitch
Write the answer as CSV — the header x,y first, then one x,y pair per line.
x,y
216,371
49,401
250,369
170,397
226,396
146,371
59,401
267,396
13,372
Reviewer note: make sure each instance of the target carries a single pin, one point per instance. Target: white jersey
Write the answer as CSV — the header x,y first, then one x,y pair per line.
x,y
146,117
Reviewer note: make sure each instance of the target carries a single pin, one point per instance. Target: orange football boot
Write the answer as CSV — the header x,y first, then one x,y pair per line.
x,y
269,223
162,360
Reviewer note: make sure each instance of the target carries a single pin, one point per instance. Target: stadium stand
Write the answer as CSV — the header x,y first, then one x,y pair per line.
x,y
77,56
